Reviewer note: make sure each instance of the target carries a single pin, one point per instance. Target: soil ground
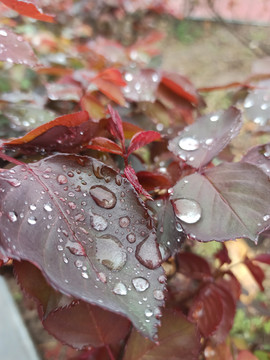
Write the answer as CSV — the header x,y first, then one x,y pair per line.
x,y
208,54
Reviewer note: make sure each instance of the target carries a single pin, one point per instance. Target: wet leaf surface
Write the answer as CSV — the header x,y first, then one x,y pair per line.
x,y
259,156
86,229
178,339
13,49
222,203
200,142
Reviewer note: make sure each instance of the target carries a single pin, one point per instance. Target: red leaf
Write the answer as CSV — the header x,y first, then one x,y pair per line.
x,y
181,86
132,177
223,256
177,339
112,91
230,283
193,265
75,323
207,310
15,50
228,313
109,82
142,138
104,144
28,8
112,75
152,181
264,258
256,272
116,126
93,106
62,134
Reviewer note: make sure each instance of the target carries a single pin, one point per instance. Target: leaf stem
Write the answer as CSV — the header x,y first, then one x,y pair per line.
x,y
11,159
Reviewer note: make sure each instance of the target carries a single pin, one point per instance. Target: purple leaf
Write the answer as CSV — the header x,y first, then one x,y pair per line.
x,y
170,233
200,142
85,228
259,156
223,203
14,49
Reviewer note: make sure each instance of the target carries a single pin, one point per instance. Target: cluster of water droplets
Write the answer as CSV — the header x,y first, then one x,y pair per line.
x,y
257,104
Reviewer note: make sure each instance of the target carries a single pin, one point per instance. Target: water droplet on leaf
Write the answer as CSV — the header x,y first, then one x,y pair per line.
x,y
189,144
148,313
32,220
47,207
124,221
110,252
187,210
62,179
158,295
140,284
103,197
131,238
147,252
120,289
12,216
75,248
98,222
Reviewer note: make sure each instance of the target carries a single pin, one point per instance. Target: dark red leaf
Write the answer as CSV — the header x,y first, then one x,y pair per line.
x,y
132,178
28,8
75,323
230,283
142,138
116,126
263,258
223,256
177,339
228,313
104,144
85,203
193,265
181,86
200,142
207,310
15,50
64,134
223,203
82,325
153,181
256,272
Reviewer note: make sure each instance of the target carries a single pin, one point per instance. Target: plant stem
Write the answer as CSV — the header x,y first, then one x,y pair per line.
x,y
110,352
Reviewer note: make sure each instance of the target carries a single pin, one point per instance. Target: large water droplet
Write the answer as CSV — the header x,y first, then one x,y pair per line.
x,y
147,252
214,118
187,210
124,221
62,179
47,207
32,220
75,248
189,144
120,289
98,222
110,252
103,197
12,216
140,284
